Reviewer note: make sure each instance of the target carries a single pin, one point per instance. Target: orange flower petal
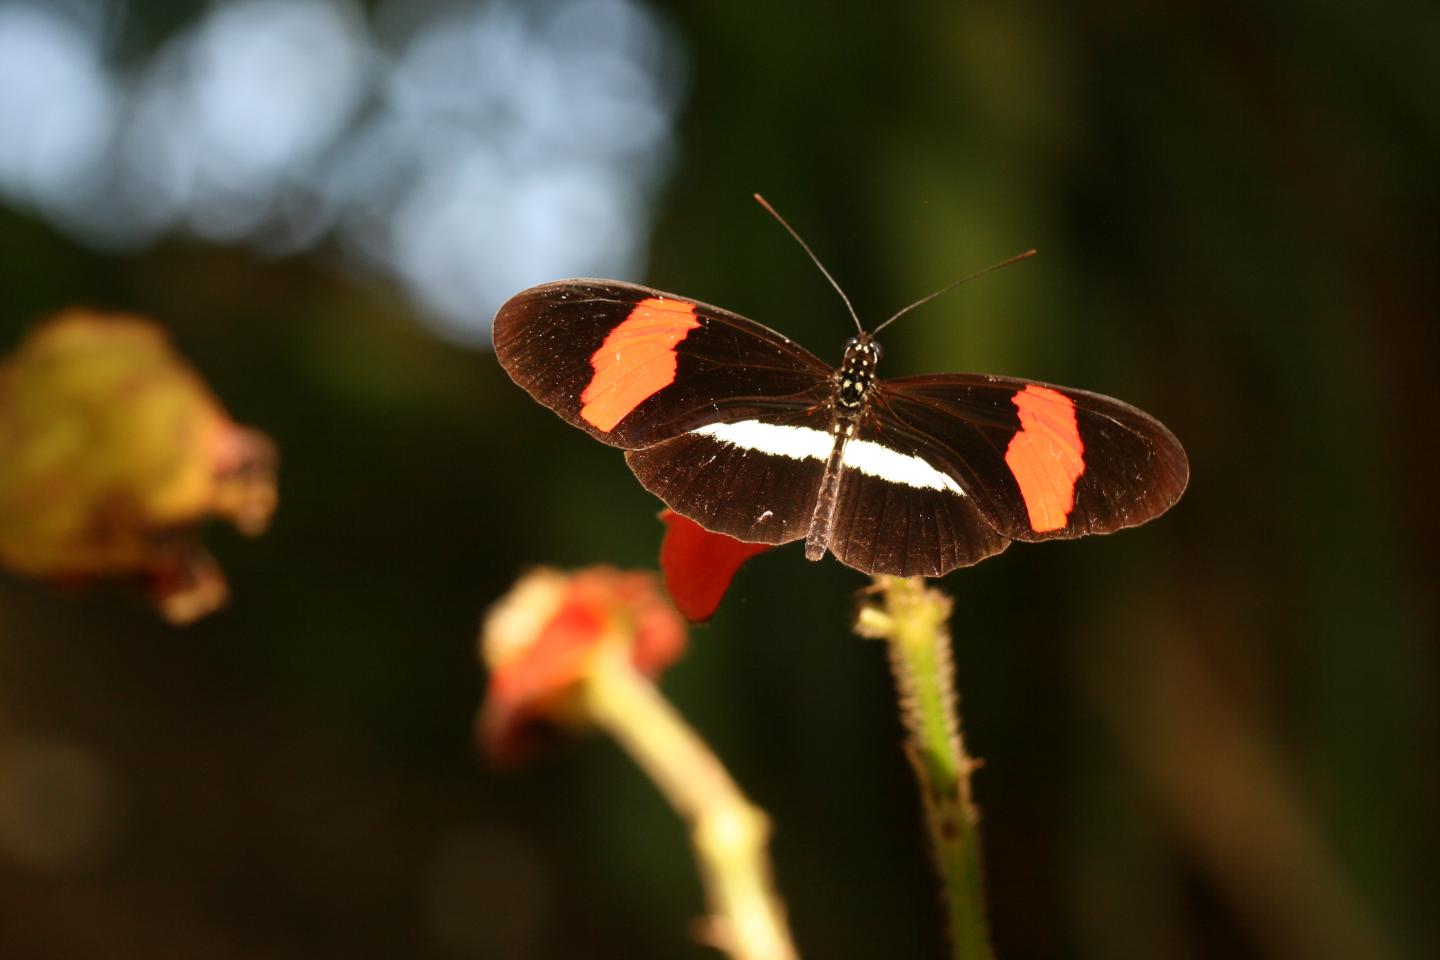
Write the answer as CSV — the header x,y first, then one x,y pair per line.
x,y
539,641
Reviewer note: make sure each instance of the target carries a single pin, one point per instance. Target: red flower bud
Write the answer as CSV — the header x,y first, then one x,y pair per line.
x,y
699,564
540,639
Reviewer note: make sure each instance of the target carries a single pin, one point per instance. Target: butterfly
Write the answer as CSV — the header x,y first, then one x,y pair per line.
x,y
751,435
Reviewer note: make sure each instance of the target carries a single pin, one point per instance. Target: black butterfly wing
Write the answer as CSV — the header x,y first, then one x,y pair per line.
x,y
1037,461
754,479
939,473
634,367
899,509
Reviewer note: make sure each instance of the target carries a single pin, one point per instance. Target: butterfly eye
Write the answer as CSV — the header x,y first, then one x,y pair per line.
x,y
877,350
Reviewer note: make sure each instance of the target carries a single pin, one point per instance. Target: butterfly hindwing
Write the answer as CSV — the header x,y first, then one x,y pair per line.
x,y
754,479
898,512
633,366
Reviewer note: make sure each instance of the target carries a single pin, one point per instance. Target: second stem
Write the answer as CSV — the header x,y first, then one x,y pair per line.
x,y
912,620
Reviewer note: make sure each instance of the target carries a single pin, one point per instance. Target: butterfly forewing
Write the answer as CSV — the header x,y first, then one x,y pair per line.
x,y
633,366
1040,462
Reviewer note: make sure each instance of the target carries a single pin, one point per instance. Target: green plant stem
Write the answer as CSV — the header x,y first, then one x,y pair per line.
x,y
912,621
730,834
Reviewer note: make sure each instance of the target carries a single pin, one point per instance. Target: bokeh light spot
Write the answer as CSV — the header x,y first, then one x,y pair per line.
x,y
467,149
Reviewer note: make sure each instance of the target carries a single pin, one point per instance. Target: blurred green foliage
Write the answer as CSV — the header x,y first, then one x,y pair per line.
x,y
1215,736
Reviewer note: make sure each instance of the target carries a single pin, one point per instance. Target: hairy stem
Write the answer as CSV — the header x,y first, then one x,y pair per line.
x,y
747,919
912,621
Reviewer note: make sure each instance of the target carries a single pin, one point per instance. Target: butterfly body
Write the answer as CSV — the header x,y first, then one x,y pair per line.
x,y
740,429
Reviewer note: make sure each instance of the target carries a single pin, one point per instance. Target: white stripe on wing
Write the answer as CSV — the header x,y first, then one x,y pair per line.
x,y
807,443
797,443
875,460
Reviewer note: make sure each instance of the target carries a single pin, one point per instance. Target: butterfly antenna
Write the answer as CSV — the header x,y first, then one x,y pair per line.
x,y
979,273
806,247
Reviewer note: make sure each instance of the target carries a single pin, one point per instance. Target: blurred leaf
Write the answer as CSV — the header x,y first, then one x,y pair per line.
x,y
112,452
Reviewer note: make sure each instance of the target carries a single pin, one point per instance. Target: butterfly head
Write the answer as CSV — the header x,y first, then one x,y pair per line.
x,y
857,369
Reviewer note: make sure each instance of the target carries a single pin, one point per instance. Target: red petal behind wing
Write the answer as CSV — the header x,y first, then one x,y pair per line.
x,y
699,565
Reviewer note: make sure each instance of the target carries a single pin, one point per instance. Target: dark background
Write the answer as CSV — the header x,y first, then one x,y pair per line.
x,y
1214,736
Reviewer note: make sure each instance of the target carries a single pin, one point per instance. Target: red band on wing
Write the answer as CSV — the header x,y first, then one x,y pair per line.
x,y
636,361
1046,456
